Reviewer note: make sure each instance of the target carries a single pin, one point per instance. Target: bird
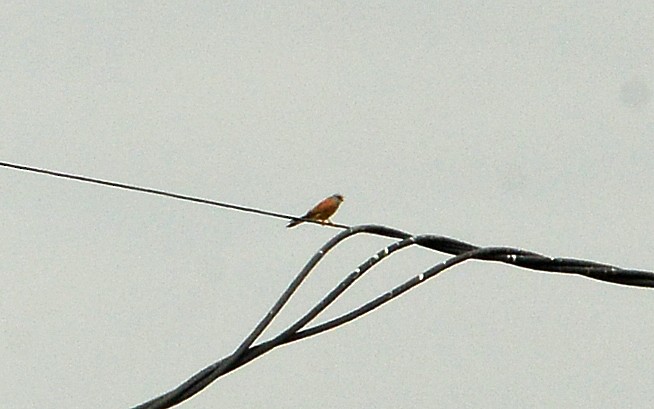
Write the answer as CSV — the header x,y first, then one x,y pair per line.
x,y
322,211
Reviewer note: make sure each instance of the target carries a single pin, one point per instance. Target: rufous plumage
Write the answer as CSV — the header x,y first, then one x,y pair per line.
x,y
322,211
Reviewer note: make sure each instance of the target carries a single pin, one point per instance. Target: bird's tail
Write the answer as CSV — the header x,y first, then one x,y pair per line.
x,y
293,223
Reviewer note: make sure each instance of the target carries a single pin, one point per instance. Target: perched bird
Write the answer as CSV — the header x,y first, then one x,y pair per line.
x,y
322,211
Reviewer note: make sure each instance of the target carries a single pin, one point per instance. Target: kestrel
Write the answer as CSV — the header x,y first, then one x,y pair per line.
x,y
322,211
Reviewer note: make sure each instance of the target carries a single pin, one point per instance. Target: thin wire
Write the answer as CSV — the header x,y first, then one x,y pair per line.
x,y
166,194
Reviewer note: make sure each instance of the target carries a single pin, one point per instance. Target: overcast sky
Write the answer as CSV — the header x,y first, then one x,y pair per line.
x,y
523,123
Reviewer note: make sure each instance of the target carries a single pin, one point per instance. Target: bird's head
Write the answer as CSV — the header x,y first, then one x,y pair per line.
x,y
338,197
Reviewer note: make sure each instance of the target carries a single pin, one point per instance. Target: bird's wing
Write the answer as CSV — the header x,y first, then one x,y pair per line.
x,y
323,209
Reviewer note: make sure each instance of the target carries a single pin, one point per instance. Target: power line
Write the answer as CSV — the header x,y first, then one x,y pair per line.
x,y
126,186
247,350
462,251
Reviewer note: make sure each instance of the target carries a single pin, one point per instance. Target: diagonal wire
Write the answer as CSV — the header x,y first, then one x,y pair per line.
x,y
209,374
404,287
157,192
203,378
260,349
451,246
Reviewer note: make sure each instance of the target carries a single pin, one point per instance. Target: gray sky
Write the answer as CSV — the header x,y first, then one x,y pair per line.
x,y
528,124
